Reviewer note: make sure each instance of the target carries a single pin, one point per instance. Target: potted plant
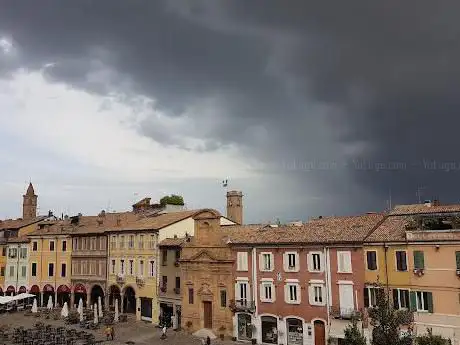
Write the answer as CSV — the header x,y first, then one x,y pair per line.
x,y
189,325
222,332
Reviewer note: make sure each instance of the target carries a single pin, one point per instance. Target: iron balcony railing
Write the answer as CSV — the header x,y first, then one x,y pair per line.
x,y
242,305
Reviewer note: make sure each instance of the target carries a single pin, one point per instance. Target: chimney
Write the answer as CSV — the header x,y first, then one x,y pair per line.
x,y
235,206
436,202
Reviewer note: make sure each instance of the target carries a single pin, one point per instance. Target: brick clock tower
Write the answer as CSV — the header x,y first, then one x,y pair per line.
x,y
235,206
29,205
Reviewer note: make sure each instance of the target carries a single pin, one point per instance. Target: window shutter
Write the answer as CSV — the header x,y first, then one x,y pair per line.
x,y
261,262
348,262
310,261
321,262
413,301
457,260
429,301
286,293
340,265
403,261
419,259
366,297
262,292
285,261
395,299
311,297
237,291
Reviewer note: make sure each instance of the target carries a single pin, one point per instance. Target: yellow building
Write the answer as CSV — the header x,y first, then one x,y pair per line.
x,y
417,255
132,268
49,263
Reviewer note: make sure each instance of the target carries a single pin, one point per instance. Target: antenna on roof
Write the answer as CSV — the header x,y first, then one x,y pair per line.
x,y
419,193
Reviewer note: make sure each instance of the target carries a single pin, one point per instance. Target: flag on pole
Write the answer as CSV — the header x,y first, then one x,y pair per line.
x,y
224,183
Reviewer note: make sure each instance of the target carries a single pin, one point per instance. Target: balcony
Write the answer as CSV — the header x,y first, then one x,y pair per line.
x,y
163,289
140,281
419,272
242,305
121,278
345,313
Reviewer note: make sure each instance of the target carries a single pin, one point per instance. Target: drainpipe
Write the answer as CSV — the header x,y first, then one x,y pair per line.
x,y
17,267
254,280
385,248
327,277
55,270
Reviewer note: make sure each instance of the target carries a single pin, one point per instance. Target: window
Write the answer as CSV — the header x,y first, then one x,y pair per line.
x,y
122,266
141,268
23,253
242,292
122,242
457,260
401,299
190,296
290,262
424,301
152,242
177,255
164,257
63,270
223,298
242,261
315,262
177,283
419,259
113,242
11,271
141,241
23,271
371,294
164,283
113,266
344,262
131,267
51,246
51,270
75,244
371,259
131,242
267,292
317,296
266,262
13,252
64,246
34,246
292,293
4,251
401,260
152,268
2,271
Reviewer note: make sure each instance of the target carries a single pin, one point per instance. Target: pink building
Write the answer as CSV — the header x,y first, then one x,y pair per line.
x,y
299,285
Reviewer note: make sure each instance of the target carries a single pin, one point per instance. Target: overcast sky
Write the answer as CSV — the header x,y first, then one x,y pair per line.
x,y
310,108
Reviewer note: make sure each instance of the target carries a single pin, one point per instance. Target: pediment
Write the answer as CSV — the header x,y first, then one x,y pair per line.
x,y
203,255
205,290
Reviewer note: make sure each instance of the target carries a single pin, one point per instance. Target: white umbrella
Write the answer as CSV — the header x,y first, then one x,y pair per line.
x,y
95,314
50,303
34,306
99,306
65,310
115,319
80,309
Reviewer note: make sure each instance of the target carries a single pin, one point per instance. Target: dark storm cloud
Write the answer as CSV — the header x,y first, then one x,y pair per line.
x,y
348,99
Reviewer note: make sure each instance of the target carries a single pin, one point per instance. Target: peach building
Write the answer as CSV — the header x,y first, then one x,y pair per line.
x,y
417,255
299,284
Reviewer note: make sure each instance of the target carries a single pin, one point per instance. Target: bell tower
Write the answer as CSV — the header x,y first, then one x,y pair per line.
x,y
235,206
29,205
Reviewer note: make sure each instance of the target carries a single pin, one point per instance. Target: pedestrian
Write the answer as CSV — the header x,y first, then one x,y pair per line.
x,y
163,335
108,332
112,332
208,340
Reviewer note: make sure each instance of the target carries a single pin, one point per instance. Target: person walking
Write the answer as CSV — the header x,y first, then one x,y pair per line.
x,y
163,335
112,332
208,340
108,332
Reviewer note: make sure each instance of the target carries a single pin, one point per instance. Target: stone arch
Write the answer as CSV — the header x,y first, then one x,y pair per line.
x,y
129,299
97,291
115,295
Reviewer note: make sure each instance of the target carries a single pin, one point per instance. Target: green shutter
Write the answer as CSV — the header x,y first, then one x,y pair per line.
x,y
395,299
413,301
366,297
457,259
419,259
429,301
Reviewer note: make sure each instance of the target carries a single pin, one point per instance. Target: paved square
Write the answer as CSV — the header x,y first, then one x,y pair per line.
x,y
140,333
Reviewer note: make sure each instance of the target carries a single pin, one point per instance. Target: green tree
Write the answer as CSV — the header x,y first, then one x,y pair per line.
x,y
430,339
387,321
353,335
172,199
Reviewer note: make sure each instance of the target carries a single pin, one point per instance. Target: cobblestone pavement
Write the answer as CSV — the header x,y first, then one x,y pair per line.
x,y
141,333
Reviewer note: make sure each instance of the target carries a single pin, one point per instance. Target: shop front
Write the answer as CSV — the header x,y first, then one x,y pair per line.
x,y
269,328
244,327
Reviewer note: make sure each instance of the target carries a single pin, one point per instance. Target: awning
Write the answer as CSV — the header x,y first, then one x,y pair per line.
x,y
48,288
34,289
10,289
22,289
5,299
63,289
79,288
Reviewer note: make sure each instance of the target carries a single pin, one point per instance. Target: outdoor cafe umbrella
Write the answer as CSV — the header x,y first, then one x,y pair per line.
x,y
50,303
99,306
80,309
115,319
65,310
96,321
34,306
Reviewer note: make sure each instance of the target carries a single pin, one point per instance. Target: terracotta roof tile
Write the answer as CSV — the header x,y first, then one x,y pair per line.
x,y
172,242
22,239
392,229
423,209
18,223
325,230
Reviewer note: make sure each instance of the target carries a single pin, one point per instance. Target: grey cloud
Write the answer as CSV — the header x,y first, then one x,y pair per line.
x,y
345,100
